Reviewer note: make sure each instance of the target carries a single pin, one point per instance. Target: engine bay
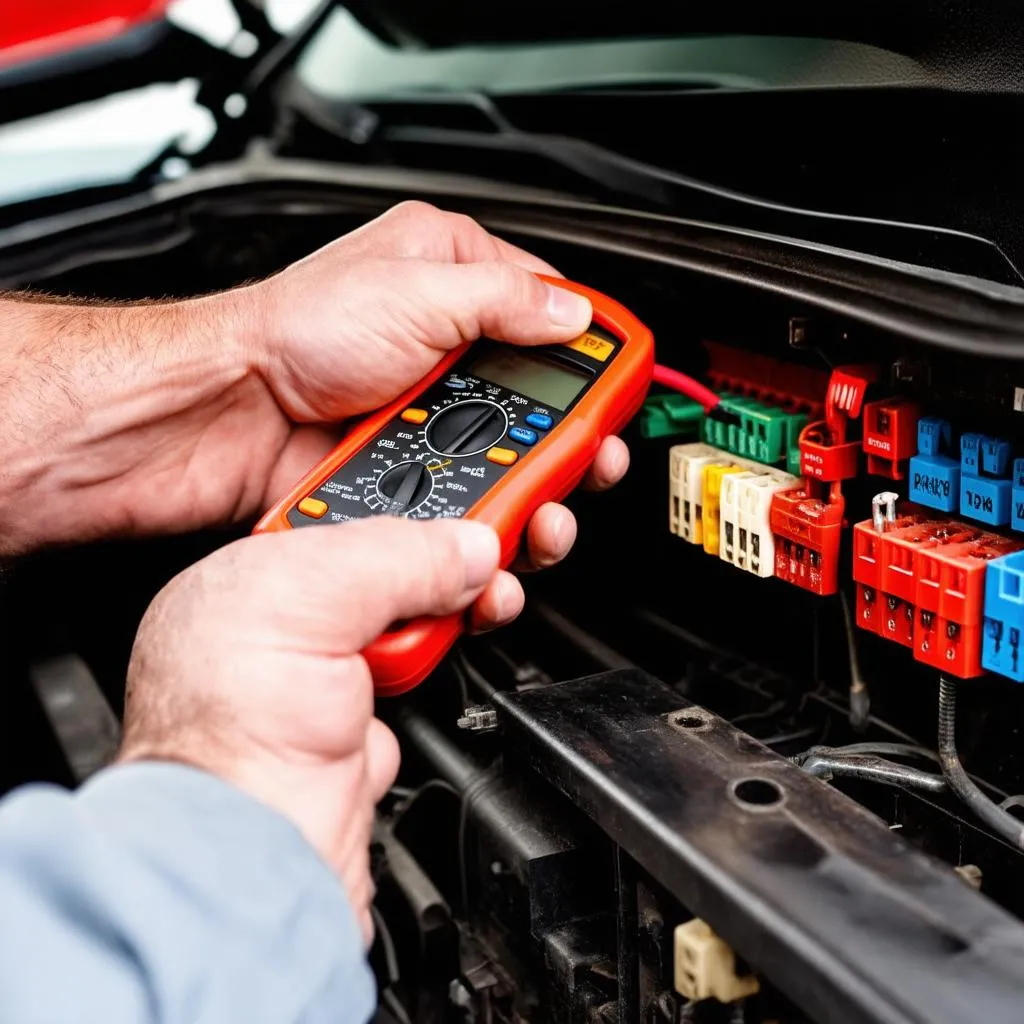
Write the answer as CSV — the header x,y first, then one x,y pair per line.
x,y
701,778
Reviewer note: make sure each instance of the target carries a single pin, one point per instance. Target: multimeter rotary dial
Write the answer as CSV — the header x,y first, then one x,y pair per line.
x,y
467,428
404,487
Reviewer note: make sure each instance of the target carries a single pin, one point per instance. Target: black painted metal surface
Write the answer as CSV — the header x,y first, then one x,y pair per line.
x,y
836,910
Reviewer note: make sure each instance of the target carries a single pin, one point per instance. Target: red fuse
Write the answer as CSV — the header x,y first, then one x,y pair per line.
x,y
807,531
890,436
950,602
901,557
869,551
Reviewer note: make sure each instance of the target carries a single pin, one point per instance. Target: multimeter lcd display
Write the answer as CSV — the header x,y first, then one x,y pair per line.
x,y
543,380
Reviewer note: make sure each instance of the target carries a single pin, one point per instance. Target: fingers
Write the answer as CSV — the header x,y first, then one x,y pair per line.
x,y
345,585
610,466
549,537
506,302
499,604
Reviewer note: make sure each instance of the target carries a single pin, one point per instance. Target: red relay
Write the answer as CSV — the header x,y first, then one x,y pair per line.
x,y
950,603
807,532
884,574
921,582
890,436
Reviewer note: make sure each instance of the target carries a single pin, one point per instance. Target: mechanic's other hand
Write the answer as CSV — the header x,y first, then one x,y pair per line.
x,y
247,665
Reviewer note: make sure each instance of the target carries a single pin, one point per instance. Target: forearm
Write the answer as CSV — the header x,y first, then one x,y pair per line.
x,y
93,401
160,893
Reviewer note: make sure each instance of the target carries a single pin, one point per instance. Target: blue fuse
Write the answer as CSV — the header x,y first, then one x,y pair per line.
x,y
985,498
934,477
1017,496
1004,616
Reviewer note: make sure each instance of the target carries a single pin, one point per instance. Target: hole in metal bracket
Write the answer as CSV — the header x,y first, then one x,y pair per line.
x,y
759,794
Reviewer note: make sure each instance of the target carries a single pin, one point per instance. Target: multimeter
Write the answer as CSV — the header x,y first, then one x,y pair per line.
x,y
491,434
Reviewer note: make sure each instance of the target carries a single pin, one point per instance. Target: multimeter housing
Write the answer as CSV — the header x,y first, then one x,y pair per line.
x,y
491,434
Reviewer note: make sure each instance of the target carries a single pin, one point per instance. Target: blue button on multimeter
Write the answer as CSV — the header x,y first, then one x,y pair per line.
x,y
522,435
539,420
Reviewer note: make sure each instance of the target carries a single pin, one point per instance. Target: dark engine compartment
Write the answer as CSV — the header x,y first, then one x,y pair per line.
x,y
518,879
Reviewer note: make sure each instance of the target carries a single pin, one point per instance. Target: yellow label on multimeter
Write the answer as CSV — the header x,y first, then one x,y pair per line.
x,y
593,346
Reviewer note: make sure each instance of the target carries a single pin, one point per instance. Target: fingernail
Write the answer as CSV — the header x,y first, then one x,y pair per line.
x,y
506,601
567,309
620,464
479,548
561,540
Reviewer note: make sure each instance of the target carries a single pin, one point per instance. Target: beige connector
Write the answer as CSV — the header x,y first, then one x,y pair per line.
x,y
705,966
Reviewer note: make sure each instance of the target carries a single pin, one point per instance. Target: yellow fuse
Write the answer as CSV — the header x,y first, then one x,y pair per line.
x,y
711,511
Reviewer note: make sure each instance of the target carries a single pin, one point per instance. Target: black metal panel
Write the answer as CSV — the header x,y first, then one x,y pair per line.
x,y
842,915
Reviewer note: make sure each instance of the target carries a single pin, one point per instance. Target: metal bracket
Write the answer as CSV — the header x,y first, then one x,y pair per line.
x,y
843,915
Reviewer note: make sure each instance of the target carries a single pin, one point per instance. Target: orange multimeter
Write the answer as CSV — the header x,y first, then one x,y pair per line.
x,y
491,434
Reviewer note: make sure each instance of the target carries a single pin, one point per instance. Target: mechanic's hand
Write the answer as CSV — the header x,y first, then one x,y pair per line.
x,y
354,325
247,665
169,417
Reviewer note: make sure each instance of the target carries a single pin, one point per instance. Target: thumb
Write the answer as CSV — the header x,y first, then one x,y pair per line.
x,y
369,574
506,302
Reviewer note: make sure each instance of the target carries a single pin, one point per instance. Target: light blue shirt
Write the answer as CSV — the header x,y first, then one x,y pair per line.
x,y
158,893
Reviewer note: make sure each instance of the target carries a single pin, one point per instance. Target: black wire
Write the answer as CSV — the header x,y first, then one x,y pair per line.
x,y
486,687
460,678
860,698
998,820
402,809
788,737
752,716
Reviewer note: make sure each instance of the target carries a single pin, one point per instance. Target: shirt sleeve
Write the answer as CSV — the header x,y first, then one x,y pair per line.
x,y
158,893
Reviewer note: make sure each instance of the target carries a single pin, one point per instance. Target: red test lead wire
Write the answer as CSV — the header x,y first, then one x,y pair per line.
x,y
677,381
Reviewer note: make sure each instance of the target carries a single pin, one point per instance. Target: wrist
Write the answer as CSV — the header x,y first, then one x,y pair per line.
x,y
93,399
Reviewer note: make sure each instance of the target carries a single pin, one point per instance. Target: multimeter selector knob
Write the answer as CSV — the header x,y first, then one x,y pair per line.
x,y
467,428
404,487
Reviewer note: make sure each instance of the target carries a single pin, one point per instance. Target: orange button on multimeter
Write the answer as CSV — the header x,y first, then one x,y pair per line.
x,y
491,434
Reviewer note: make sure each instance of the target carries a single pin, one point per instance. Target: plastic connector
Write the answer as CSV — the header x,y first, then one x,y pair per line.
x,y
876,611
934,476
705,966
890,436
686,488
899,573
757,431
747,540
670,416
1017,496
825,460
921,583
825,453
950,604
1004,617
985,490
711,504
807,532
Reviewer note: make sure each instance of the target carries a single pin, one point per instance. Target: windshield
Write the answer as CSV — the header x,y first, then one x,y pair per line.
x,y
347,61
